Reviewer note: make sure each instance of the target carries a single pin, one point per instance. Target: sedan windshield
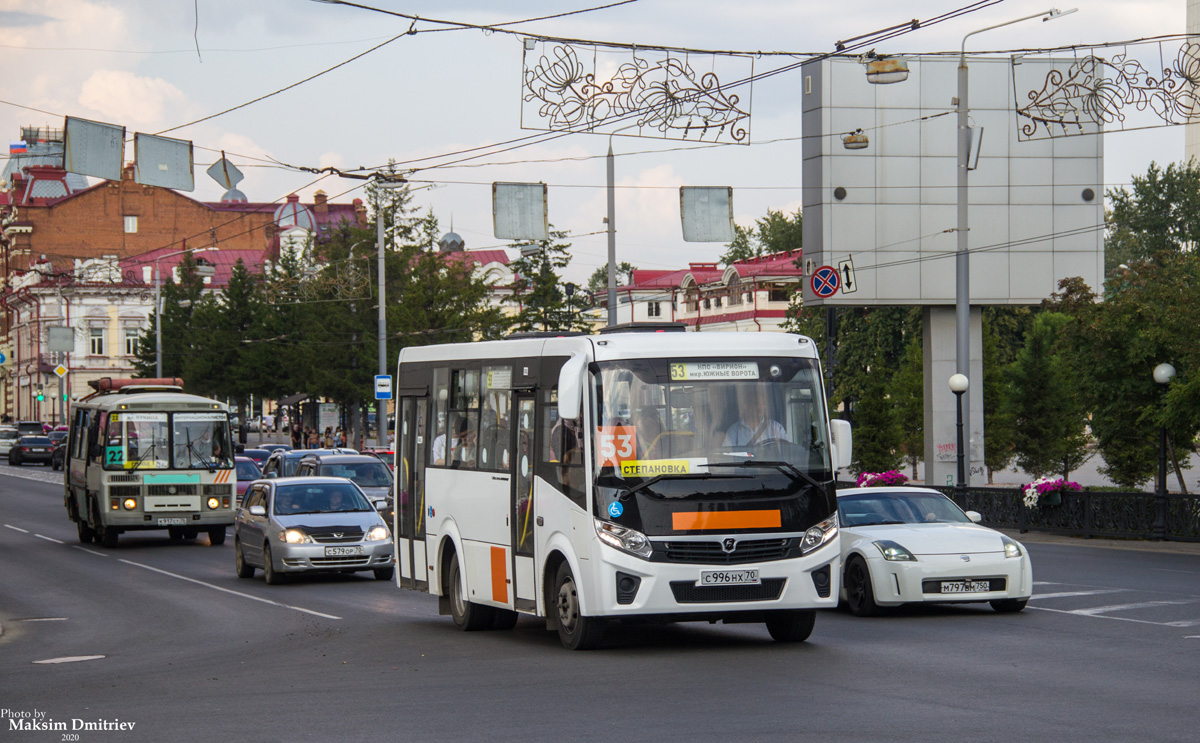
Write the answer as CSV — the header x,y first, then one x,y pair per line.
x,y
898,507
325,497
709,418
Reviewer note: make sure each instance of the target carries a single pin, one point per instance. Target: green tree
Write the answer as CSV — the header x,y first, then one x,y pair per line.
x,y
1000,430
876,430
598,281
775,233
1047,411
183,341
907,392
538,289
1160,215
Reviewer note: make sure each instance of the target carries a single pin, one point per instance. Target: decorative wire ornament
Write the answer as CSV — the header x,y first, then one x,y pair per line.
x,y
1117,92
667,96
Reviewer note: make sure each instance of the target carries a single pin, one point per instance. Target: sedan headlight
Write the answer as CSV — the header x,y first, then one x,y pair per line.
x,y
623,538
377,533
894,552
295,536
1011,548
819,535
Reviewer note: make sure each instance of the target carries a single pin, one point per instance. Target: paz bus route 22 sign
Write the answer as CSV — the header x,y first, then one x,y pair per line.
x,y
825,281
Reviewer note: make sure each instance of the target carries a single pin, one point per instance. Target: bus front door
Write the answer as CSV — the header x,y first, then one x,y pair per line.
x,y
411,445
524,520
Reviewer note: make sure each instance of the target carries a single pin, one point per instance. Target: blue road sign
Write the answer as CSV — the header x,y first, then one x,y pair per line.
x,y
825,281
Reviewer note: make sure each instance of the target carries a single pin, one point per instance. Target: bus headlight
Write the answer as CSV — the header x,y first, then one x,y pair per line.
x,y
820,535
625,539
377,533
214,502
130,504
294,536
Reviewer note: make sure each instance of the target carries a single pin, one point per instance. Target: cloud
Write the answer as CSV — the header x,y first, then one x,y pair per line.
x,y
141,103
19,19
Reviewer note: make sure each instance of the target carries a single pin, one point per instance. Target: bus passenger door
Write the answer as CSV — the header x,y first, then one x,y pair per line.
x,y
409,499
524,521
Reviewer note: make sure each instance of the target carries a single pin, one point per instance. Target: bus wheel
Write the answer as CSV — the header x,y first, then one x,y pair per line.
x,y
216,536
384,573
86,535
107,535
791,625
175,533
575,631
468,616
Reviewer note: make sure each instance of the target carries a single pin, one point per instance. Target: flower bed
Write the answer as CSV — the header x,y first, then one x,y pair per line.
x,y
1047,491
881,479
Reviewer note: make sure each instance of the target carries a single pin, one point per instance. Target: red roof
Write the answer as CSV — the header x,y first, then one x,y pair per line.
x,y
222,260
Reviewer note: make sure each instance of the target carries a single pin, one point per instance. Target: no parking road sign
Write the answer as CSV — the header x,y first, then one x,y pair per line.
x,y
825,281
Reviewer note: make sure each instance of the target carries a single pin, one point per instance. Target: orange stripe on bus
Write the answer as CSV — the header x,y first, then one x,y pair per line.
x,y
701,520
499,576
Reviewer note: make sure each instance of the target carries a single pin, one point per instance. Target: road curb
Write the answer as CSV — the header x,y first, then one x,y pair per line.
x,y
1136,545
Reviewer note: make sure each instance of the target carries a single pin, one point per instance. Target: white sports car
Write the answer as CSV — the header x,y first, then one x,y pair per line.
x,y
903,545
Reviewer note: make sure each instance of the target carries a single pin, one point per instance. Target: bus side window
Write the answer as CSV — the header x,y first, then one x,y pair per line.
x,y
98,424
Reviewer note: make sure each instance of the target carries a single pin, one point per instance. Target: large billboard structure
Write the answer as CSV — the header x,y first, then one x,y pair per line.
x,y
881,199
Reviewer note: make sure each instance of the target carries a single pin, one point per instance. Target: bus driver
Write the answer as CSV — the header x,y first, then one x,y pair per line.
x,y
754,426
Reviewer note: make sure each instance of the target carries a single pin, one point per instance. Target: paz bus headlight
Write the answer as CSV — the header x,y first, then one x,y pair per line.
x,y
820,535
625,539
214,502
130,504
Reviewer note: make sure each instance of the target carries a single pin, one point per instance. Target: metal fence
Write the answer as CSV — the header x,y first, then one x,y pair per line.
x,y
1134,515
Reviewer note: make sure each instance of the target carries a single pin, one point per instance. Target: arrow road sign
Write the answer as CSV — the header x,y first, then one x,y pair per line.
x,y
825,282
846,269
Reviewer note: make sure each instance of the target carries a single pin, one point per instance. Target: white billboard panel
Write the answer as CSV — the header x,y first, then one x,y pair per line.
x,y
1035,213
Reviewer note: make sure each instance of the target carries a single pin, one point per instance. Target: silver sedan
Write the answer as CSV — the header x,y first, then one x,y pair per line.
x,y
303,524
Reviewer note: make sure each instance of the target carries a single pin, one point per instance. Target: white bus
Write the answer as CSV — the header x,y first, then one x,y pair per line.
x,y
142,454
660,475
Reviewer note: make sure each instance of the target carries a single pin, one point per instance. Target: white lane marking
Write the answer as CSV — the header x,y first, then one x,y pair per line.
x,y
1065,594
1045,583
17,528
227,590
1126,607
49,539
44,619
1186,623
70,659
90,552
1098,616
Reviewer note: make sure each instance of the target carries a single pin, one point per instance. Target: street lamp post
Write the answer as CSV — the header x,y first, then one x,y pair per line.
x,y
1163,374
158,371
958,385
381,329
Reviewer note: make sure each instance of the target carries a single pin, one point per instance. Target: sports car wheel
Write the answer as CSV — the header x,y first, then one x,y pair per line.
x,y
859,594
1009,606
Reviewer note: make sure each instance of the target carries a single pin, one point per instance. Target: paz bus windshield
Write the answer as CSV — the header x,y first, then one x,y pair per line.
x,y
154,440
660,418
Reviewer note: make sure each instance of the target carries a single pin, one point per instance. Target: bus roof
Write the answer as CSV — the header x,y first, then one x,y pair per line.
x,y
153,401
624,345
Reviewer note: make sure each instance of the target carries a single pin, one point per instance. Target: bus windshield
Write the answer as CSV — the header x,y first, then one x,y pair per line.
x,y
709,418
152,440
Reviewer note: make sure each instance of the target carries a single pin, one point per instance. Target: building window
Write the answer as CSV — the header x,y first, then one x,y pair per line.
x,y
96,346
778,293
131,341
707,303
653,309
130,224
735,292
717,302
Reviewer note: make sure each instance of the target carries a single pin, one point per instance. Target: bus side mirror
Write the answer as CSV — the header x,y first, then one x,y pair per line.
x,y
570,386
843,443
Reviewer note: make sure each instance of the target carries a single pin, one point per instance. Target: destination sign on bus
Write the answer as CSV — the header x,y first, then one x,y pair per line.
x,y
655,467
199,416
693,371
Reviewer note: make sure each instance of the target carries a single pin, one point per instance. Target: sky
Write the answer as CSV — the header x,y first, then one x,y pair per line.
x,y
153,65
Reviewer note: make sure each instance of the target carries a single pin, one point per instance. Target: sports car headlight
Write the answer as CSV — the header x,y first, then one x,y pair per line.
x,y
377,533
819,535
623,538
295,536
1011,548
894,552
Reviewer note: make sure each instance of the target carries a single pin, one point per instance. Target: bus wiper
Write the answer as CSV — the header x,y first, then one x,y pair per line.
x,y
142,458
786,468
656,478
192,448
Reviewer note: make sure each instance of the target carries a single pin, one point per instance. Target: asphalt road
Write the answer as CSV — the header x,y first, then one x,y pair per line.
x,y
1107,650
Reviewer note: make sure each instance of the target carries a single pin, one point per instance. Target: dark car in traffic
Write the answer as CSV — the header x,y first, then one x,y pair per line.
x,y
31,450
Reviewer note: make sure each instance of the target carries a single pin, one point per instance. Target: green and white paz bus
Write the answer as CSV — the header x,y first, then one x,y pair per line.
x,y
142,454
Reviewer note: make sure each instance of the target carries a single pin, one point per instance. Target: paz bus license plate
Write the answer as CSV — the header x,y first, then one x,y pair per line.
x,y
179,521
343,551
728,578
966,586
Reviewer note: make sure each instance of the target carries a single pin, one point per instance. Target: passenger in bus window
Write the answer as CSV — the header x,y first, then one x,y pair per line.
x,y
464,451
439,446
754,425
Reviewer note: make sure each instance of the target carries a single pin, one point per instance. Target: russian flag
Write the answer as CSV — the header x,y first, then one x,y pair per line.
x,y
16,148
